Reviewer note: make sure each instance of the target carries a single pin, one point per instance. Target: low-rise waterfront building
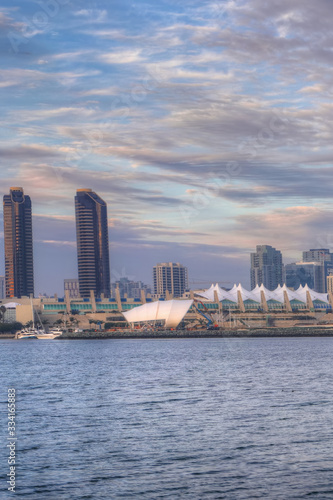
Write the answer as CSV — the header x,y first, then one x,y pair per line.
x,y
215,303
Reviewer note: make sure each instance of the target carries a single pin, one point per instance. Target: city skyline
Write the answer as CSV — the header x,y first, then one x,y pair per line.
x,y
308,256
203,126
92,236
167,328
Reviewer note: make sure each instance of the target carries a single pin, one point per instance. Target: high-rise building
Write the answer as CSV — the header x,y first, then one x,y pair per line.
x,y
72,285
317,255
171,277
2,287
325,258
92,243
304,273
266,267
18,243
130,289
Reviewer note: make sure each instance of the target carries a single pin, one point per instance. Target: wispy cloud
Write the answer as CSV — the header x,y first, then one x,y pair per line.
x,y
122,57
221,111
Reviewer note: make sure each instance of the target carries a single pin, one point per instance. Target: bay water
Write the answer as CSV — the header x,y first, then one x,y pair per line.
x,y
169,419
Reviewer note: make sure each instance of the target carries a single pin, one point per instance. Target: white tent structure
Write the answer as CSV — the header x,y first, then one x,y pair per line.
x,y
169,311
11,305
282,296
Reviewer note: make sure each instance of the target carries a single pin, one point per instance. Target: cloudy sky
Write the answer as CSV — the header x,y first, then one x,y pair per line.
x,y
205,125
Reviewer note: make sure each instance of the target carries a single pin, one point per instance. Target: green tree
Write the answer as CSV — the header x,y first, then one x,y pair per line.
x,y
2,313
92,322
10,327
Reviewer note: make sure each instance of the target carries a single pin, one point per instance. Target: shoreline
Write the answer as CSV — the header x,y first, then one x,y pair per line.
x,y
173,334
272,332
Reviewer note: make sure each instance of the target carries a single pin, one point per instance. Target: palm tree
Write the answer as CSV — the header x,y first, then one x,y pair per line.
x,y
2,314
92,322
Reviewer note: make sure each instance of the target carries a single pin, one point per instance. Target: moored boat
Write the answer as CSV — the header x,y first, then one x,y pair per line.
x,y
52,334
28,333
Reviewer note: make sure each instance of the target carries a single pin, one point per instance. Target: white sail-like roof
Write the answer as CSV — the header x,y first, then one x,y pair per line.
x,y
276,294
11,305
231,295
171,311
247,295
209,294
255,294
301,294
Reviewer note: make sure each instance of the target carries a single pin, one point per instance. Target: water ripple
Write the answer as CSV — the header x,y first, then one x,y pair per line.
x,y
232,419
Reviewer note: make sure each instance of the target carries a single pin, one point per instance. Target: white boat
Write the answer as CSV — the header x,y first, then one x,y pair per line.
x,y
39,332
45,336
28,333
52,334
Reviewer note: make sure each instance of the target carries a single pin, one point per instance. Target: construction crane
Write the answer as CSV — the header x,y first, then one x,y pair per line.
x,y
207,314
204,312
209,320
202,282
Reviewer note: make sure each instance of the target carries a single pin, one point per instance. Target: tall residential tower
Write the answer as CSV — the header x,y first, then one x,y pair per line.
x,y
92,243
171,277
18,243
266,267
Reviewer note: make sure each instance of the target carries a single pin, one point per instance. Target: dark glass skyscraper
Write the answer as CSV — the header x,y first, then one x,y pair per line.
x,y
18,243
92,243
